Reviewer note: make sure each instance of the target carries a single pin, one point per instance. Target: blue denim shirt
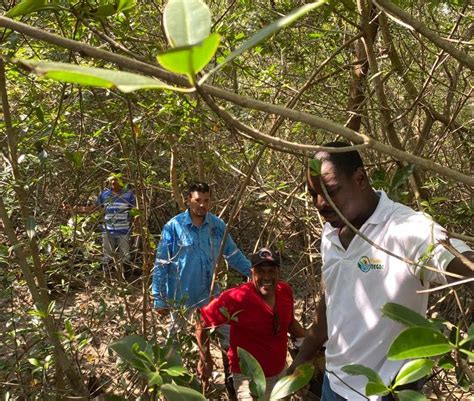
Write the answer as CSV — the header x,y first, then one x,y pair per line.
x,y
186,257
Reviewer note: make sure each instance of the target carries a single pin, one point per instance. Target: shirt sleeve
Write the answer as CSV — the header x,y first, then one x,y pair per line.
x,y
424,247
219,311
161,267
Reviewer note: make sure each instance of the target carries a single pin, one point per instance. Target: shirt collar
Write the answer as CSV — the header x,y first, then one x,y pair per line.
x,y
188,221
380,214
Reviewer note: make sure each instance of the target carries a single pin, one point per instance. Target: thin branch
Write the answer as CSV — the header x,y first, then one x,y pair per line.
x,y
410,22
313,121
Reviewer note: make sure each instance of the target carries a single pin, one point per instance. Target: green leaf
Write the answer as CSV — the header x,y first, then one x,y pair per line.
x,y
404,315
99,77
155,379
25,7
124,5
266,32
446,362
314,167
191,59
176,371
376,389
250,367
186,22
413,371
360,370
419,342
30,227
173,392
470,354
290,384
410,395
34,362
124,347
75,157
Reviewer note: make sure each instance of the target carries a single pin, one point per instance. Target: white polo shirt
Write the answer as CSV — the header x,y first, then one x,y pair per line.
x,y
361,279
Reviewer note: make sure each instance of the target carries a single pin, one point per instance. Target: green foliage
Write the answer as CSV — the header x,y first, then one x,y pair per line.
x,y
162,367
190,60
284,387
413,371
405,316
266,32
173,392
375,384
290,384
26,7
422,339
186,22
250,367
91,76
419,342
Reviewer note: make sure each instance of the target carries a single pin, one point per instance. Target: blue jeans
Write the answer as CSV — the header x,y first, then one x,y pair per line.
x,y
328,394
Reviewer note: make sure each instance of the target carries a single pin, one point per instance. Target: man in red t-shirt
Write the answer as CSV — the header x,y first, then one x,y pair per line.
x,y
260,314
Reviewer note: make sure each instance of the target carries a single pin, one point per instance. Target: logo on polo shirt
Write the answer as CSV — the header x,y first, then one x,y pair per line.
x,y
366,264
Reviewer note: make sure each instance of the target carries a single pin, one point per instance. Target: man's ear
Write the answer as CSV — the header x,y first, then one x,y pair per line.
x,y
360,175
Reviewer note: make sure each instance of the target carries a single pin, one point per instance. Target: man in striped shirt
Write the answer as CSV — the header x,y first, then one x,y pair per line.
x,y
117,201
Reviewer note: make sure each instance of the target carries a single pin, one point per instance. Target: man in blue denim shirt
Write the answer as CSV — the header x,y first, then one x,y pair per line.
x,y
187,254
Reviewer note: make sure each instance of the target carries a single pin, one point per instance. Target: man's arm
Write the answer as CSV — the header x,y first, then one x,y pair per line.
x,y
296,330
161,271
204,367
314,340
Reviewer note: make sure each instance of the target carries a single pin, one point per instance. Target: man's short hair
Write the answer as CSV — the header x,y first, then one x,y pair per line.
x,y
346,163
198,187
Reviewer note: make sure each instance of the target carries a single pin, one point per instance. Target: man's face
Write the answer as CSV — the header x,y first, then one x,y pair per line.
x,y
265,278
199,203
115,184
345,192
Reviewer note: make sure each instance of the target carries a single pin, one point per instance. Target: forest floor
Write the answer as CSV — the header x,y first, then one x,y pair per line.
x,y
102,309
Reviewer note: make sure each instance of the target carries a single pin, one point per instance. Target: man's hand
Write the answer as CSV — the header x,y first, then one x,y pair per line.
x,y
163,311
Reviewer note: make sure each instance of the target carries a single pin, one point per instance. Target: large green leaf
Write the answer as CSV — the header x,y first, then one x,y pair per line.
x,y
419,342
290,384
91,76
250,367
376,389
410,395
191,59
356,370
124,5
155,379
25,7
186,22
266,32
173,392
405,315
413,371
124,347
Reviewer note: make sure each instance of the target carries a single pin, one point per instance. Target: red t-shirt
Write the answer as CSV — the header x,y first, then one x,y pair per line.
x,y
254,328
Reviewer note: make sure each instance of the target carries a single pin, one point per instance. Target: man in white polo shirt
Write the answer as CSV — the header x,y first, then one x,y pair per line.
x,y
360,278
